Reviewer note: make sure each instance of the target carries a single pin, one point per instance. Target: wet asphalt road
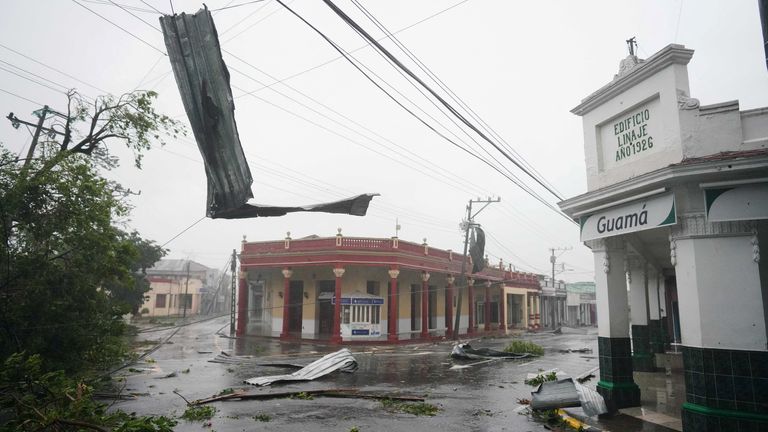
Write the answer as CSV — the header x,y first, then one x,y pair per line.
x,y
481,397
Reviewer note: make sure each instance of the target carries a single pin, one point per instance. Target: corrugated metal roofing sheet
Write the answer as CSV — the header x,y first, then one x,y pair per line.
x,y
341,360
203,81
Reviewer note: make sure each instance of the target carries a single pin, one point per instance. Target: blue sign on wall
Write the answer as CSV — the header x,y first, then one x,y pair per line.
x,y
360,332
359,301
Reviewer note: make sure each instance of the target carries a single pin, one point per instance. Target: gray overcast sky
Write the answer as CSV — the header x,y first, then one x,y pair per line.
x,y
520,65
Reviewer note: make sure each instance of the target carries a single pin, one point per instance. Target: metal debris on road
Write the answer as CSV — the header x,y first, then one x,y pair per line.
x,y
341,360
464,351
565,393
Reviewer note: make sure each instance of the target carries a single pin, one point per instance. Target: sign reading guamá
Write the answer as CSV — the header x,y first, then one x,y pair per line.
x,y
635,216
606,224
632,135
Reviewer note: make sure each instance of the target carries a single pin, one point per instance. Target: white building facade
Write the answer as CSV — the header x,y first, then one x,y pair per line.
x,y
676,210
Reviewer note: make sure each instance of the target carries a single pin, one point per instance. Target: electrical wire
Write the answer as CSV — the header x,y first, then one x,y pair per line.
x,y
21,97
349,59
449,92
183,231
120,27
297,74
469,124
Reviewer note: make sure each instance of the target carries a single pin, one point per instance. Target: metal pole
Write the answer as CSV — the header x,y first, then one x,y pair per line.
x,y
462,279
233,269
186,293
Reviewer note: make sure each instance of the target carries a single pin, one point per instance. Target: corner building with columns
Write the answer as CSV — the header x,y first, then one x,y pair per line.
x,y
675,214
390,291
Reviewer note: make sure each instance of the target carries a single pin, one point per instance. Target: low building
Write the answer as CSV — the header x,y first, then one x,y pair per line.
x,y
582,309
178,287
675,210
553,302
346,289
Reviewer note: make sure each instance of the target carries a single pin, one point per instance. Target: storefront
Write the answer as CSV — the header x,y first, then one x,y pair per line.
x,y
390,291
676,206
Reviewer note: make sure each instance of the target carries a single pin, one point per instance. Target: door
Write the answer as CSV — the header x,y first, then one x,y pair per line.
x,y
415,307
296,307
325,307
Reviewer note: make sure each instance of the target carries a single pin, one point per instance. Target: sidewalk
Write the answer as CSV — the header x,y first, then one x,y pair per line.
x,y
662,395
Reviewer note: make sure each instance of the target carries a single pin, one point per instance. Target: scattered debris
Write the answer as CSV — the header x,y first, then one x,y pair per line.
x,y
557,331
577,350
582,380
464,351
418,409
205,352
566,393
170,375
199,413
521,346
523,401
262,417
341,360
483,412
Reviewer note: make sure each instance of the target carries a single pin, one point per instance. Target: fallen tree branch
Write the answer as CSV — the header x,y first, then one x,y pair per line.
x,y
80,424
338,393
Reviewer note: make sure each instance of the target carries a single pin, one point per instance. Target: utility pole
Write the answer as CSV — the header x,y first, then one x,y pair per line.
x,y
232,269
186,293
468,224
41,114
553,259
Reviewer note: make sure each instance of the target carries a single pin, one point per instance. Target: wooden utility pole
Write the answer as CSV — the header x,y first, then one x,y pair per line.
x,y
186,293
468,225
42,113
232,305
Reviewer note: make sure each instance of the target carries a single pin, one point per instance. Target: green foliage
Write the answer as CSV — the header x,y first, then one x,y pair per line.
x,y
199,413
302,396
519,346
33,400
541,378
67,273
415,408
262,417
226,391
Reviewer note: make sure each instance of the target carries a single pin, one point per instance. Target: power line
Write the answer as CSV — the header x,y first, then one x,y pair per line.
x,y
183,231
349,59
447,89
237,5
427,18
21,97
53,68
120,27
405,69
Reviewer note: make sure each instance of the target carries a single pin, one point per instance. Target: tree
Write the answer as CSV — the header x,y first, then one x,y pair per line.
x,y
129,297
67,273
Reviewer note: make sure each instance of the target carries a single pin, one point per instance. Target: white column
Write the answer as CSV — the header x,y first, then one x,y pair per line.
x,y
611,288
718,285
653,293
637,295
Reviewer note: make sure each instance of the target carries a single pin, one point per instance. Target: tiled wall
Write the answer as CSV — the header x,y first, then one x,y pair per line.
x,y
616,382
732,380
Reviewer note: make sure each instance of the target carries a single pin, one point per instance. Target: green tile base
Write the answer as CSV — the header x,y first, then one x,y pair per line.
x,y
642,359
725,390
700,418
617,384
619,395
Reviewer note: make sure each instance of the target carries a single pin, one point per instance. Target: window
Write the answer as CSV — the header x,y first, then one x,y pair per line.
x,y
372,287
160,301
363,314
186,301
345,314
